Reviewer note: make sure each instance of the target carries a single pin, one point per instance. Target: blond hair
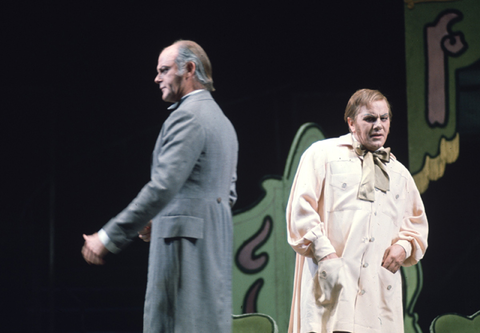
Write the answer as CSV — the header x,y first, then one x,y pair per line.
x,y
364,97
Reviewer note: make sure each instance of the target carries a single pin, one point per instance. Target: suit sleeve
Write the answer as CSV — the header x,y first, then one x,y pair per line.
x,y
305,229
182,138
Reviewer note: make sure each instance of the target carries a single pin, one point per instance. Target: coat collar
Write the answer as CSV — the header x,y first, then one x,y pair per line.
x,y
347,141
198,93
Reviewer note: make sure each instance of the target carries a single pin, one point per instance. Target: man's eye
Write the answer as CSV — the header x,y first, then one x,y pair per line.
x,y
370,119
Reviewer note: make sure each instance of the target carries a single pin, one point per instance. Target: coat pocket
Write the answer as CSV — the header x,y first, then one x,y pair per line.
x,y
330,280
179,226
343,191
388,284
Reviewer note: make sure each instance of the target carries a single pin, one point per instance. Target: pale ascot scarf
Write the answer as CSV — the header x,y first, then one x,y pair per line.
x,y
374,173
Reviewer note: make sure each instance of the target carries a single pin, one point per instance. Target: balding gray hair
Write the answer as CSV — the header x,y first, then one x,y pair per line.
x,y
185,54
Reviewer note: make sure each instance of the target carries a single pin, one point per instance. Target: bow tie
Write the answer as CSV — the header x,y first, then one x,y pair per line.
x,y
374,173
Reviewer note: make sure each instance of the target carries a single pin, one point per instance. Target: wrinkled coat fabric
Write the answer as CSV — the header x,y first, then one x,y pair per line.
x,y
189,199
352,293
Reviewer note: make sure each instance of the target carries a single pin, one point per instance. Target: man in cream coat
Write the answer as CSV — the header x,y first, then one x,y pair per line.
x,y
188,199
354,217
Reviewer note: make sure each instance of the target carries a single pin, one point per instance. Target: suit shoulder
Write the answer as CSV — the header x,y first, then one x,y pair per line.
x,y
183,121
203,97
202,106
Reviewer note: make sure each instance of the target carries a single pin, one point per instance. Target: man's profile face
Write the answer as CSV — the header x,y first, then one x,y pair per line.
x,y
171,84
371,125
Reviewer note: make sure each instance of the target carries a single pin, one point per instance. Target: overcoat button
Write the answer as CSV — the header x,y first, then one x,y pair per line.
x,y
219,200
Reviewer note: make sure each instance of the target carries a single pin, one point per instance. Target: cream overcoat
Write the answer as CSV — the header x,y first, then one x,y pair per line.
x,y
353,293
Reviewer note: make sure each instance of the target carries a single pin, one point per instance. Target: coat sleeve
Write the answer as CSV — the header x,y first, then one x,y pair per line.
x,y
414,229
182,139
305,229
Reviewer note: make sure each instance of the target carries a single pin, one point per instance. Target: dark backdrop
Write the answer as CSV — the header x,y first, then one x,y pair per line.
x,y
81,114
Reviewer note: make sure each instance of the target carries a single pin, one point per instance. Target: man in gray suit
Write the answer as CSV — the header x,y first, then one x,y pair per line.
x,y
188,200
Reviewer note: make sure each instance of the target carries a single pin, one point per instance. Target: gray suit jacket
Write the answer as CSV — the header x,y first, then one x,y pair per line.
x,y
189,199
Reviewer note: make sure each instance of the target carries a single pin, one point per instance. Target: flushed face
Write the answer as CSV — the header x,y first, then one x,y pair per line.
x,y
371,125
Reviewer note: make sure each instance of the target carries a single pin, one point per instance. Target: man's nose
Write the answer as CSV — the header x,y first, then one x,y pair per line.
x,y
157,79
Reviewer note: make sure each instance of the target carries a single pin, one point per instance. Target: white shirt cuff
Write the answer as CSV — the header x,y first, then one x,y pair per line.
x,y
407,246
322,246
102,235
